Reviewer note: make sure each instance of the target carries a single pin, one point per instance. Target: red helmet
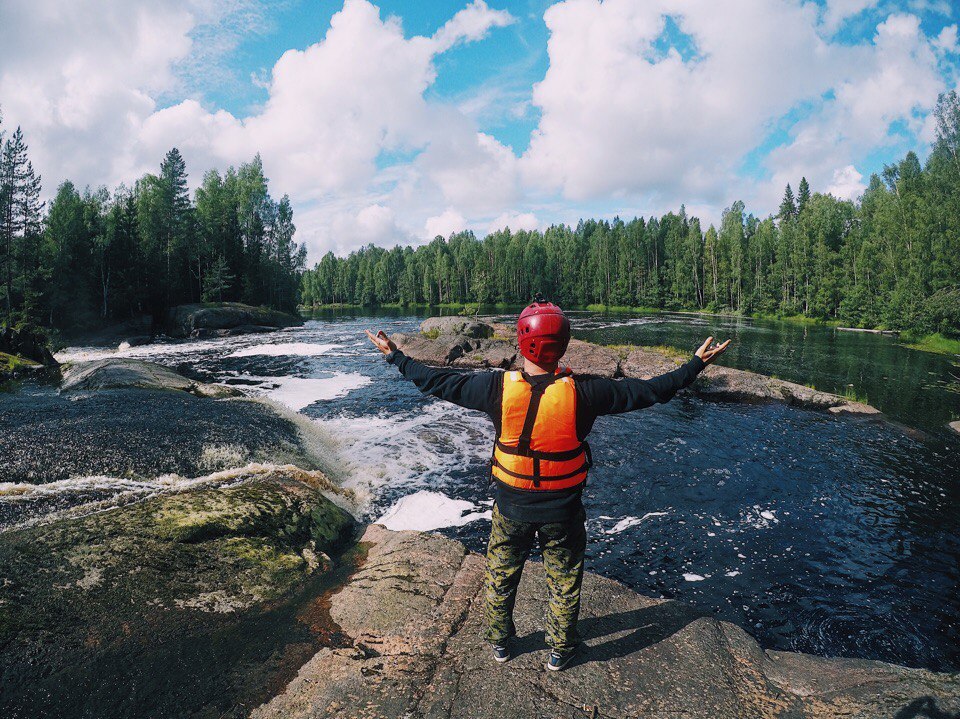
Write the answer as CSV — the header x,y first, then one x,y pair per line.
x,y
543,332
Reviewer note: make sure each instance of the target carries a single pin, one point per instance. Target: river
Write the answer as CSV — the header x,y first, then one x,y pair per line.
x,y
816,533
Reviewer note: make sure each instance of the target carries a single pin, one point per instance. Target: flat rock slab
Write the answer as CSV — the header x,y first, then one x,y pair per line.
x,y
119,373
414,618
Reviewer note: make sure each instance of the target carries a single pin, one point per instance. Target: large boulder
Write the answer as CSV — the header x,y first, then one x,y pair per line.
x,y
26,345
121,373
197,319
414,618
466,326
189,604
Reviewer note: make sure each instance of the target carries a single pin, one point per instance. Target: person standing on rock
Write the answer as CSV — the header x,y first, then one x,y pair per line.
x,y
542,416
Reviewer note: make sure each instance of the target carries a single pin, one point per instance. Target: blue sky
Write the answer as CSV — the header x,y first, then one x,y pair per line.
x,y
393,121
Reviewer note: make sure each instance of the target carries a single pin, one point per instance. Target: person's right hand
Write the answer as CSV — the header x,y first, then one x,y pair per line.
x,y
382,342
708,351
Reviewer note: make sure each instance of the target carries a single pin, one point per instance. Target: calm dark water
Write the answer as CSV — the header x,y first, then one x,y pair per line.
x,y
816,533
911,386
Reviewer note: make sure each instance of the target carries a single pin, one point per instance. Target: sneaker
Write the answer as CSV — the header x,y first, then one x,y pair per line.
x,y
559,660
501,653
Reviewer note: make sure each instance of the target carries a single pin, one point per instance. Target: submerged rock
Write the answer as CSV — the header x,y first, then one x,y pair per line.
x,y
413,618
203,320
187,604
120,373
716,382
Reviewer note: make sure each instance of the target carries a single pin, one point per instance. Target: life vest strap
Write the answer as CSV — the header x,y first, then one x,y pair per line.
x,y
536,394
538,454
536,479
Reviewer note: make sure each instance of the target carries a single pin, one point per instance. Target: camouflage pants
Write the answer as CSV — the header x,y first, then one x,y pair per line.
x,y
562,545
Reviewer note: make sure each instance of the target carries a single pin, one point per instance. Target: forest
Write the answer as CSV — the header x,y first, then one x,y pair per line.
x,y
94,257
890,260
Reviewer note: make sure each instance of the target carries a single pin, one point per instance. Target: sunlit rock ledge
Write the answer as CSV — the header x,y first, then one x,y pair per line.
x,y
413,617
249,598
486,345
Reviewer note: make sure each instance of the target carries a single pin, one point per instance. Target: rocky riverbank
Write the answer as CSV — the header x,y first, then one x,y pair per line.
x,y
413,615
478,344
247,592
239,601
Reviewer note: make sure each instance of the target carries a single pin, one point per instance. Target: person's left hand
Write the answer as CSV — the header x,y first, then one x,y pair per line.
x,y
709,351
382,342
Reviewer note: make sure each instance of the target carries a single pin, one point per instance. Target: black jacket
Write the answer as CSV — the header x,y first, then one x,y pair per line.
x,y
595,396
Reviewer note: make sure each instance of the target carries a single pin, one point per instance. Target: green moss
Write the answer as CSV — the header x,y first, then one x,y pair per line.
x,y
13,363
672,352
851,394
432,334
936,342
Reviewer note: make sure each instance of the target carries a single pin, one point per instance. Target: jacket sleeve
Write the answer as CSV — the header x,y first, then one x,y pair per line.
x,y
472,390
615,396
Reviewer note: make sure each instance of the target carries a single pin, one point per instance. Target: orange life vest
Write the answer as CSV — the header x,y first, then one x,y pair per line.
x,y
538,446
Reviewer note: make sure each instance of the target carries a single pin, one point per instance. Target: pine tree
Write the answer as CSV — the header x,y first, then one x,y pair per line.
x,y
804,195
788,207
20,222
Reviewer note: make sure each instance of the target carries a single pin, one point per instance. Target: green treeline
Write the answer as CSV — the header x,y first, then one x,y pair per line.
x,y
97,257
891,260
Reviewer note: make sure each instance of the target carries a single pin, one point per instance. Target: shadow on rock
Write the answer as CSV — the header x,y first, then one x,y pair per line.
x,y
925,707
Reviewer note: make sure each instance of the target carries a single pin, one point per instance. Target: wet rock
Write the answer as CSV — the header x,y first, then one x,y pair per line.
x,y
183,320
206,333
183,605
134,433
465,326
119,373
414,616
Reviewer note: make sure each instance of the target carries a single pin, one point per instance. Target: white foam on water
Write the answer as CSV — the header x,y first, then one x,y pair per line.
x,y
285,349
425,511
297,393
757,517
693,577
155,349
411,450
628,522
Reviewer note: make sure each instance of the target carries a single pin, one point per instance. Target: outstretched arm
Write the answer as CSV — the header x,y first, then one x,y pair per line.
x,y
472,390
609,396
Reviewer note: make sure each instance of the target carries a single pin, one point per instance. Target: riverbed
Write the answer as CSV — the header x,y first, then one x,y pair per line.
x,y
816,533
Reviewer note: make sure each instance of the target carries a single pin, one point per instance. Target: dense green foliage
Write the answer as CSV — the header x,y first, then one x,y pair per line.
x,y
99,257
892,260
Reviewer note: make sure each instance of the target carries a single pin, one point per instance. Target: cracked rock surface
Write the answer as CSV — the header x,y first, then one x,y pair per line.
x,y
413,615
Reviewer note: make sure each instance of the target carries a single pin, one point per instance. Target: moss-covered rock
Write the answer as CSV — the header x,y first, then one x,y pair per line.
x,y
100,614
